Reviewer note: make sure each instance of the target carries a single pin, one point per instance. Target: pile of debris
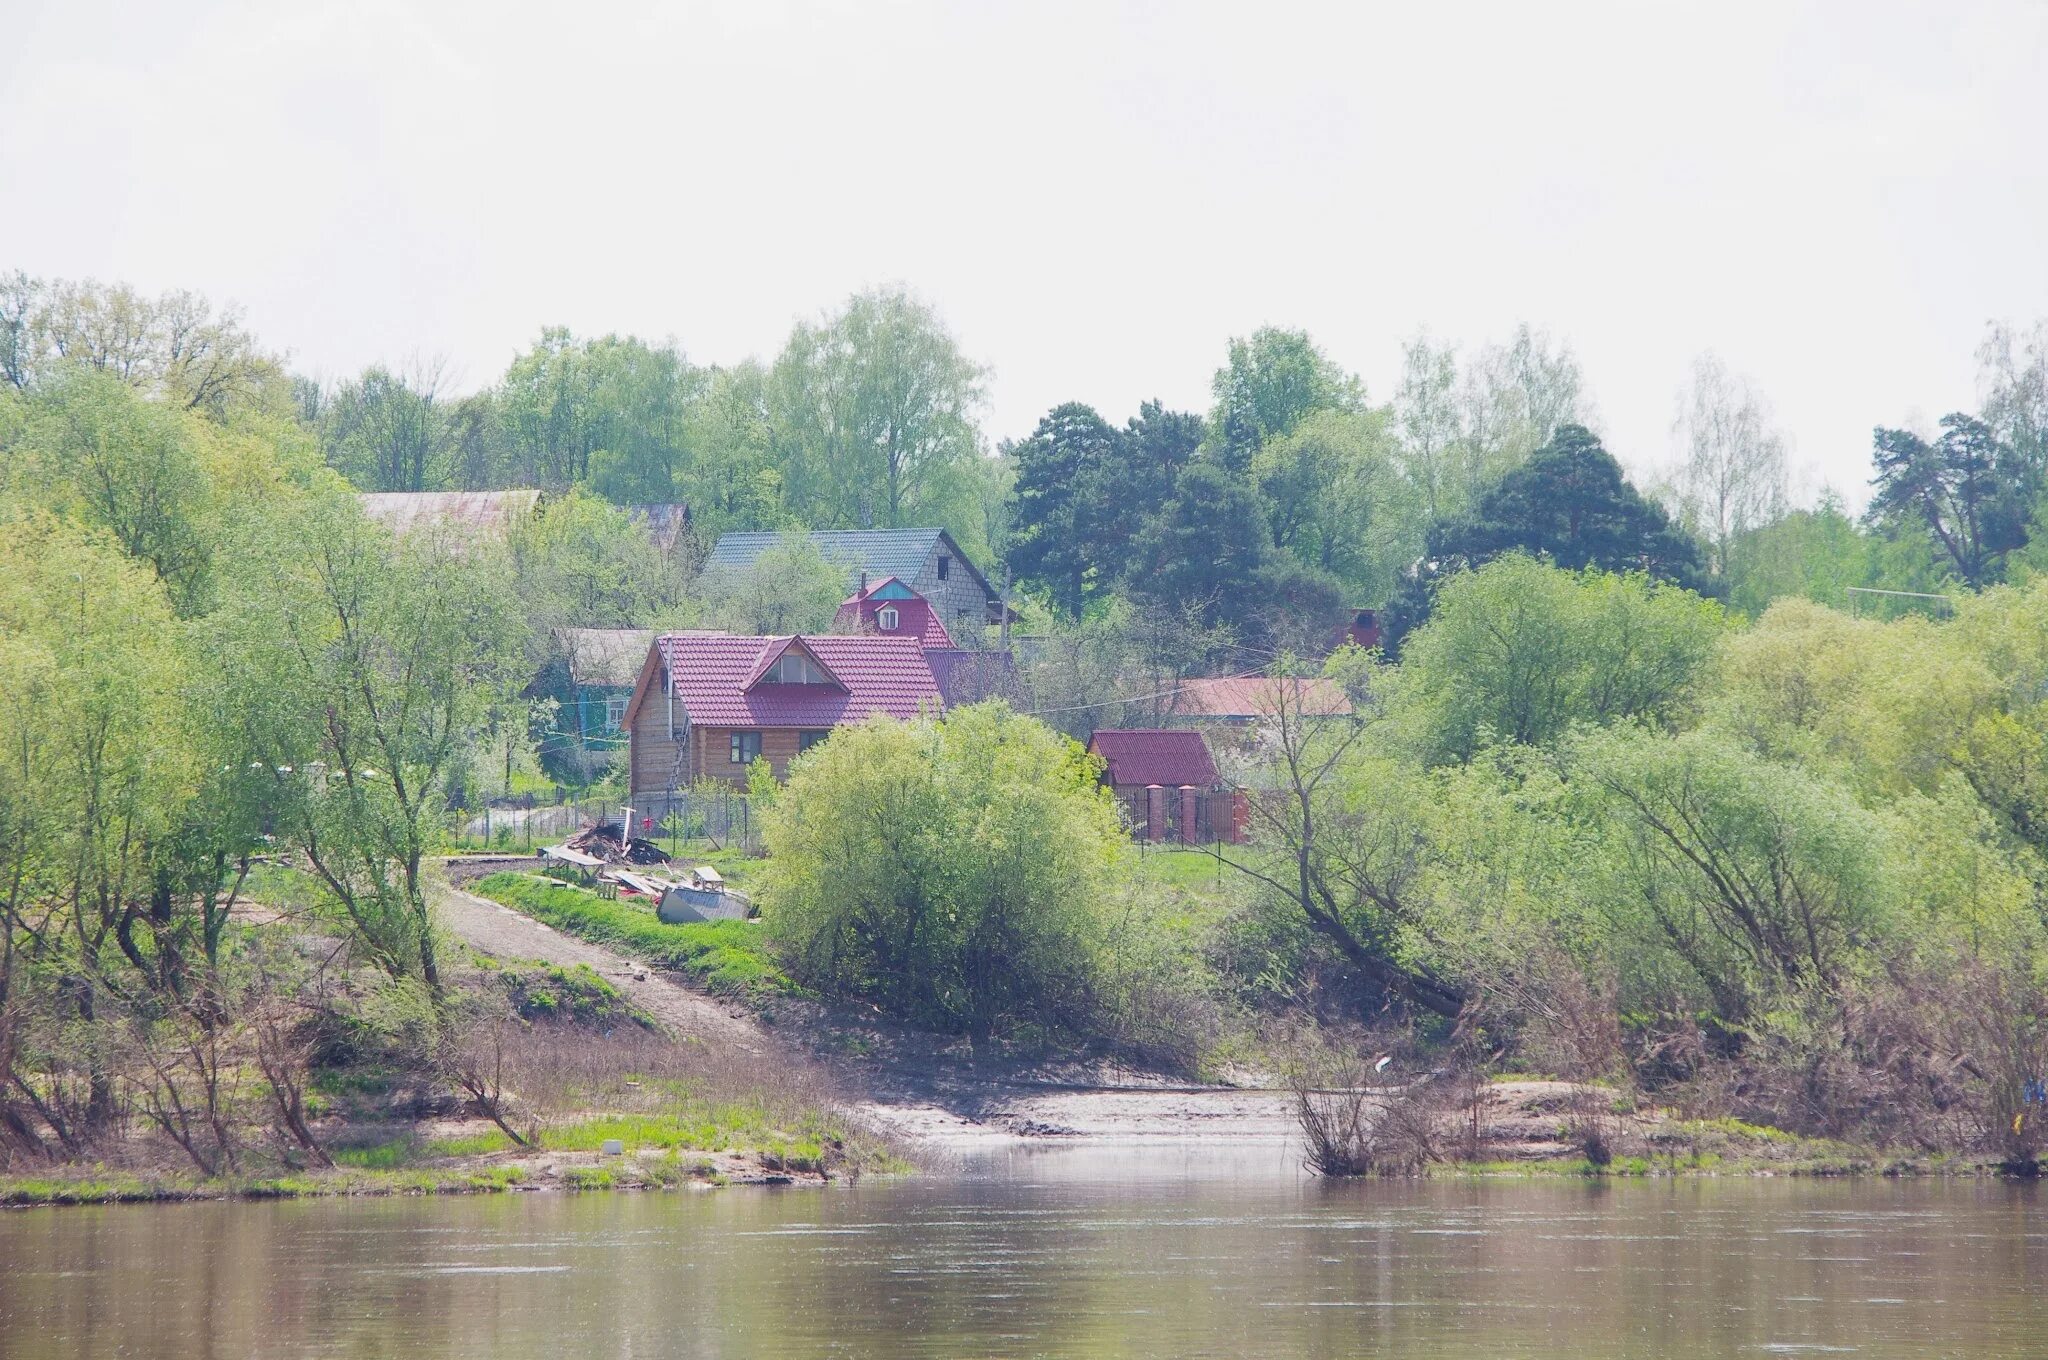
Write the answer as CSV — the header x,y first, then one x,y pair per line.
x,y
607,841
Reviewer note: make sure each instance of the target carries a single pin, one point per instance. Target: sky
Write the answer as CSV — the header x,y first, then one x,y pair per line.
x,y
1833,198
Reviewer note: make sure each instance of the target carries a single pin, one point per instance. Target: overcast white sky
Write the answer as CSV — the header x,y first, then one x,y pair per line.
x,y
1833,197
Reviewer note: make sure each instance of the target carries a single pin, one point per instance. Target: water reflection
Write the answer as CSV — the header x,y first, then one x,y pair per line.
x,y
1160,1250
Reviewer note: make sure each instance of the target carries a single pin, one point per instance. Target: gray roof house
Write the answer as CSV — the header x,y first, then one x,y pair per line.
x,y
926,560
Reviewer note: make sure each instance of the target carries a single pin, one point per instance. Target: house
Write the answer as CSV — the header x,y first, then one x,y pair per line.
x,y
888,606
666,524
1363,631
483,514
926,560
603,666
708,705
965,675
1165,781
1240,700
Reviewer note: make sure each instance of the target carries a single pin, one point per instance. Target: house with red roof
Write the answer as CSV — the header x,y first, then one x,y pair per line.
x,y
1165,780
708,705
889,607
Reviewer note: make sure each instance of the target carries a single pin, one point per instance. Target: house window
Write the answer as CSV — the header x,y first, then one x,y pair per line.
x,y
885,618
746,747
945,565
806,740
794,668
615,712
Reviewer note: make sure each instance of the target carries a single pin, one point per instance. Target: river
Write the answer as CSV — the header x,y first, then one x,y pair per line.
x,y
1155,1250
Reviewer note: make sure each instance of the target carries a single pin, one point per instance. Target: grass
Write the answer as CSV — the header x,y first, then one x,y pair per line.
x,y
730,958
23,1192
546,991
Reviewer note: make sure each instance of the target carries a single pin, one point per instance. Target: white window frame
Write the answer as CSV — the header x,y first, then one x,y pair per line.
x,y
885,618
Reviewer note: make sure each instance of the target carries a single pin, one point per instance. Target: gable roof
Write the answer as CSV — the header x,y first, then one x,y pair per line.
x,y
901,553
1155,755
711,673
1247,697
488,512
607,657
665,523
860,613
778,648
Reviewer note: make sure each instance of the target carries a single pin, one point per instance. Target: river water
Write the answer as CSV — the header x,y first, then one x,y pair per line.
x,y
1161,1250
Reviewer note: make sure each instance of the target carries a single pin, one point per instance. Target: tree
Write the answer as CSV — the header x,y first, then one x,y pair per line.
x,y
385,431
872,410
1568,503
1273,380
1336,500
1343,840
1731,480
959,872
95,450
1435,451
1970,492
174,346
1520,651
789,588
1059,503
1520,396
2012,375
371,671
1204,546
1755,877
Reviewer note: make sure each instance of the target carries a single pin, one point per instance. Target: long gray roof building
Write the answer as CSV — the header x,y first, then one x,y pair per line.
x,y
926,560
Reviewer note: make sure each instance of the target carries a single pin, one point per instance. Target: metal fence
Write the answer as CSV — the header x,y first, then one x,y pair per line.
x,y
689,818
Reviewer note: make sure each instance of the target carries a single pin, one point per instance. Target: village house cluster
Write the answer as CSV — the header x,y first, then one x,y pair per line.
x,y
702,706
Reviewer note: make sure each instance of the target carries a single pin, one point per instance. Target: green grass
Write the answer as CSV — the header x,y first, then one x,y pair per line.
x,y
407,1150
1192,870
727,957
126,1189
546,991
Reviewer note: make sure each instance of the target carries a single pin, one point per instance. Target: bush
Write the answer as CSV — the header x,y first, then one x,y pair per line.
x,y
964,873
727,957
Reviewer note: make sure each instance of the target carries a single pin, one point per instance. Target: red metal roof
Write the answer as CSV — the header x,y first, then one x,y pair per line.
x,y
1155,755
880,674
1247,697
914,614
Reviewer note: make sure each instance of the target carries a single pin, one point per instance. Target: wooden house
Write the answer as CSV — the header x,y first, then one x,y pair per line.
x,y
1165,782
708,705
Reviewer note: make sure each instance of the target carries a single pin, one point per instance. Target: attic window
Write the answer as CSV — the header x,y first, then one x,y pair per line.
x,y
885,618
794,668
945,565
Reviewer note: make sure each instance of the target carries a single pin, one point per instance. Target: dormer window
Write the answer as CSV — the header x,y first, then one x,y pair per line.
x,y
885,618
794,668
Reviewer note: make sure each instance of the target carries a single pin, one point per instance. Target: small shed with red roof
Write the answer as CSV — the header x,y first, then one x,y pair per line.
x,y
1166,781
708,705
1138,756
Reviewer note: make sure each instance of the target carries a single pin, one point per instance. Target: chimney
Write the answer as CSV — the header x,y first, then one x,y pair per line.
x,y
863,582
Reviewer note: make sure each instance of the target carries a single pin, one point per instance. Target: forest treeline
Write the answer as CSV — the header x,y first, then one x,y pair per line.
x,y
1635,798
1297,493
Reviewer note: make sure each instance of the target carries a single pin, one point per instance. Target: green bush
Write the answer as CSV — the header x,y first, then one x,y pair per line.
x,y
728,957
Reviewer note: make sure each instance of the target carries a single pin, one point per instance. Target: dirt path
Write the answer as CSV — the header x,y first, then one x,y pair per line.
x,y
504,933
914,1091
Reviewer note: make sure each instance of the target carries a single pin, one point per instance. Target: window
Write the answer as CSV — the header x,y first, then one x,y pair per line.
x,y
945,565
746,747
806,740
615,712
885,618
794,668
